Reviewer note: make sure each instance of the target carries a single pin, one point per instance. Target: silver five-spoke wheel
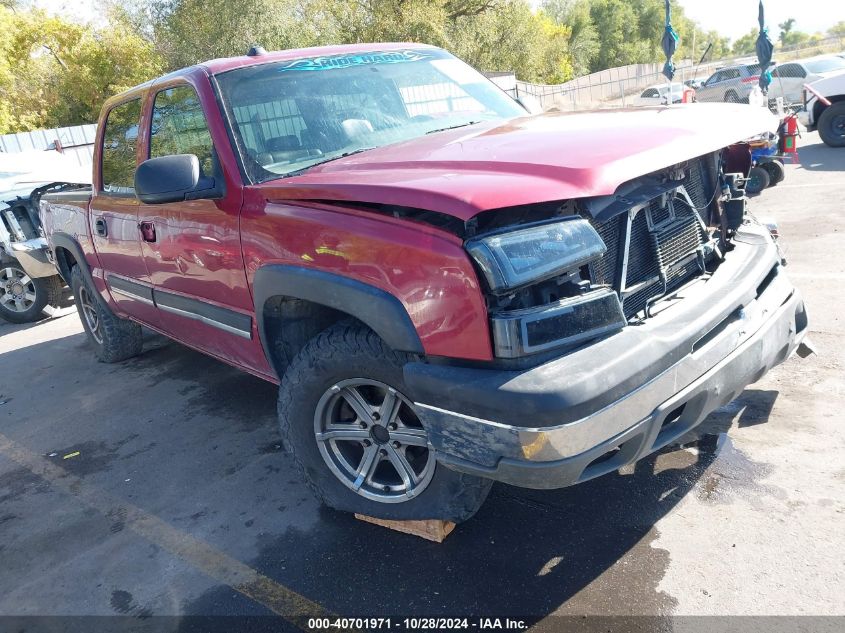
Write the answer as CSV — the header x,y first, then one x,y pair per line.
x,y
372,441
17,290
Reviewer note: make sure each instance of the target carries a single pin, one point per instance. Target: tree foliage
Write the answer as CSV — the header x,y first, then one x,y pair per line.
x,y
746,44
608,33
54,71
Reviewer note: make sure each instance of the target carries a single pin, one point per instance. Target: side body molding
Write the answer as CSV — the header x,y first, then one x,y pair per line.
x,y
379,310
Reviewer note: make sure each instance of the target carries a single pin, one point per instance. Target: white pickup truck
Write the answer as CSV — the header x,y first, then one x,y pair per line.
x,y
824,109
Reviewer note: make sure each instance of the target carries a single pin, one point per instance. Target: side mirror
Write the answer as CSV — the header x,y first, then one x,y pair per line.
x,y
173,178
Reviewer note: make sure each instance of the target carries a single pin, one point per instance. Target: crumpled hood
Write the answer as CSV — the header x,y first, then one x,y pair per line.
x,y
554,156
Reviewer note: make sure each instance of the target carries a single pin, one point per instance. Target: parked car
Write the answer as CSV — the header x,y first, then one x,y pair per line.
x,y
447,290
824,109
658,95
695,83
29,281
732,84
788,79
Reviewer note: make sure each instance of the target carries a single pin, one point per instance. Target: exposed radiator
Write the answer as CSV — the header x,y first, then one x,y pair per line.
x,y
665,245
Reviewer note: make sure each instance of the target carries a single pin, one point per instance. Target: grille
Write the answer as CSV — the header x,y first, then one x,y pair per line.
x,y
699,184
659,259
604,271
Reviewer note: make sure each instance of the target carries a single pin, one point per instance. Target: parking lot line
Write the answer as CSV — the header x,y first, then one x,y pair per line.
x,y
279,599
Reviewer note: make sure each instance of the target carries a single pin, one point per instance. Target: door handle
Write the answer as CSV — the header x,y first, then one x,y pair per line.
x,y
100,227
148,231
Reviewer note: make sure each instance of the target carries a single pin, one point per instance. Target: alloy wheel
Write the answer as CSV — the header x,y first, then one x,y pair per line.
x,y
17,290
90,314
371,439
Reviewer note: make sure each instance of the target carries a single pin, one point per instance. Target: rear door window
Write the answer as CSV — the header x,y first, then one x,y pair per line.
x,y
120,142
178,126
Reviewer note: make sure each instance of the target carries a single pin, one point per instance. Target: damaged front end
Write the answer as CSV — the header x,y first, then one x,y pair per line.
x,y
683,307
21,234
660,233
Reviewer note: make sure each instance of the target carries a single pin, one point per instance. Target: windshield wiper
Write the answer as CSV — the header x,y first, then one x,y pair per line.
x,y
452,127
328,160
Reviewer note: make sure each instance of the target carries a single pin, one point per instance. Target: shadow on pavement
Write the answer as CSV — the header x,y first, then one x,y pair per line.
x,y
820,157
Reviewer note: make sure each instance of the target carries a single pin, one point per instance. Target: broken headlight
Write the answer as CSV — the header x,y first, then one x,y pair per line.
x,y
534,253
530,255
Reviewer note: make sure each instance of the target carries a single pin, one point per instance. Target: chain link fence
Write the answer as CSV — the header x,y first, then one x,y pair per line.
x,y
727,80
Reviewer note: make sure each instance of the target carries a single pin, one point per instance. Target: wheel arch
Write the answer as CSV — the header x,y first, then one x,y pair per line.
x,y
819,107
293,304
68,253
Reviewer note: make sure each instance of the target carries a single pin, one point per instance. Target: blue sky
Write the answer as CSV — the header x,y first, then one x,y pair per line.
x,y
730,17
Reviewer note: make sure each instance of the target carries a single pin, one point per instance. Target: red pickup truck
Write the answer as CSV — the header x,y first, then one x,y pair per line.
x,y
447,290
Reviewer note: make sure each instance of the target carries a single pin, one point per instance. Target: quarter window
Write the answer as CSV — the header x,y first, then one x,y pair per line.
x,y
120,140
178,127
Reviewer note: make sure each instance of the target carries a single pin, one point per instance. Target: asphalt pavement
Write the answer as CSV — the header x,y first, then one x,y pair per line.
x,y
157,487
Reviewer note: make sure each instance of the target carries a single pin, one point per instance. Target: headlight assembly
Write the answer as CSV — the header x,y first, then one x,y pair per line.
x,y
534,253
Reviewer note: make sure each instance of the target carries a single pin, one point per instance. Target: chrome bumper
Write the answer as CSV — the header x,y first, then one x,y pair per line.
x,y
33,256
760,332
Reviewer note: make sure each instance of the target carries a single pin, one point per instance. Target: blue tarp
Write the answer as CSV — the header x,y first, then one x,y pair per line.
x,y
670,44
765,49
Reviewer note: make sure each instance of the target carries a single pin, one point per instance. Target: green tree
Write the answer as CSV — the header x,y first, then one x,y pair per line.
x,y
837,30
785,29
746,44
584,40
189,31
721,44
512,37
54,72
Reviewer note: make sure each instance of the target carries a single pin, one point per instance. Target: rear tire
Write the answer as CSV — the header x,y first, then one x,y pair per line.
x,y
758,179
23,298
113,339
832,125
731,97
346,382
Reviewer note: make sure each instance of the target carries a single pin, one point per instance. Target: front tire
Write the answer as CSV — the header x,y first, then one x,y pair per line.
x,y
758,179
113,339
776,171
832,125
353,432
23,298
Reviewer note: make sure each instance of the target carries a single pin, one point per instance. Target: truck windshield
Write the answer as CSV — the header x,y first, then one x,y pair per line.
x,y
291,115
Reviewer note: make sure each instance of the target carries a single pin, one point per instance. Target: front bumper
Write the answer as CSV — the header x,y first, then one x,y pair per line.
x,y
623,397
33,256
804,118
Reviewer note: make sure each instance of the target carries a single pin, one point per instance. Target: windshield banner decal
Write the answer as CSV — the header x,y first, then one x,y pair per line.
x,y
358,59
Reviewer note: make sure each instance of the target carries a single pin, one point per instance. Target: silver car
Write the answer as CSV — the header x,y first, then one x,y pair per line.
x,y
732,84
